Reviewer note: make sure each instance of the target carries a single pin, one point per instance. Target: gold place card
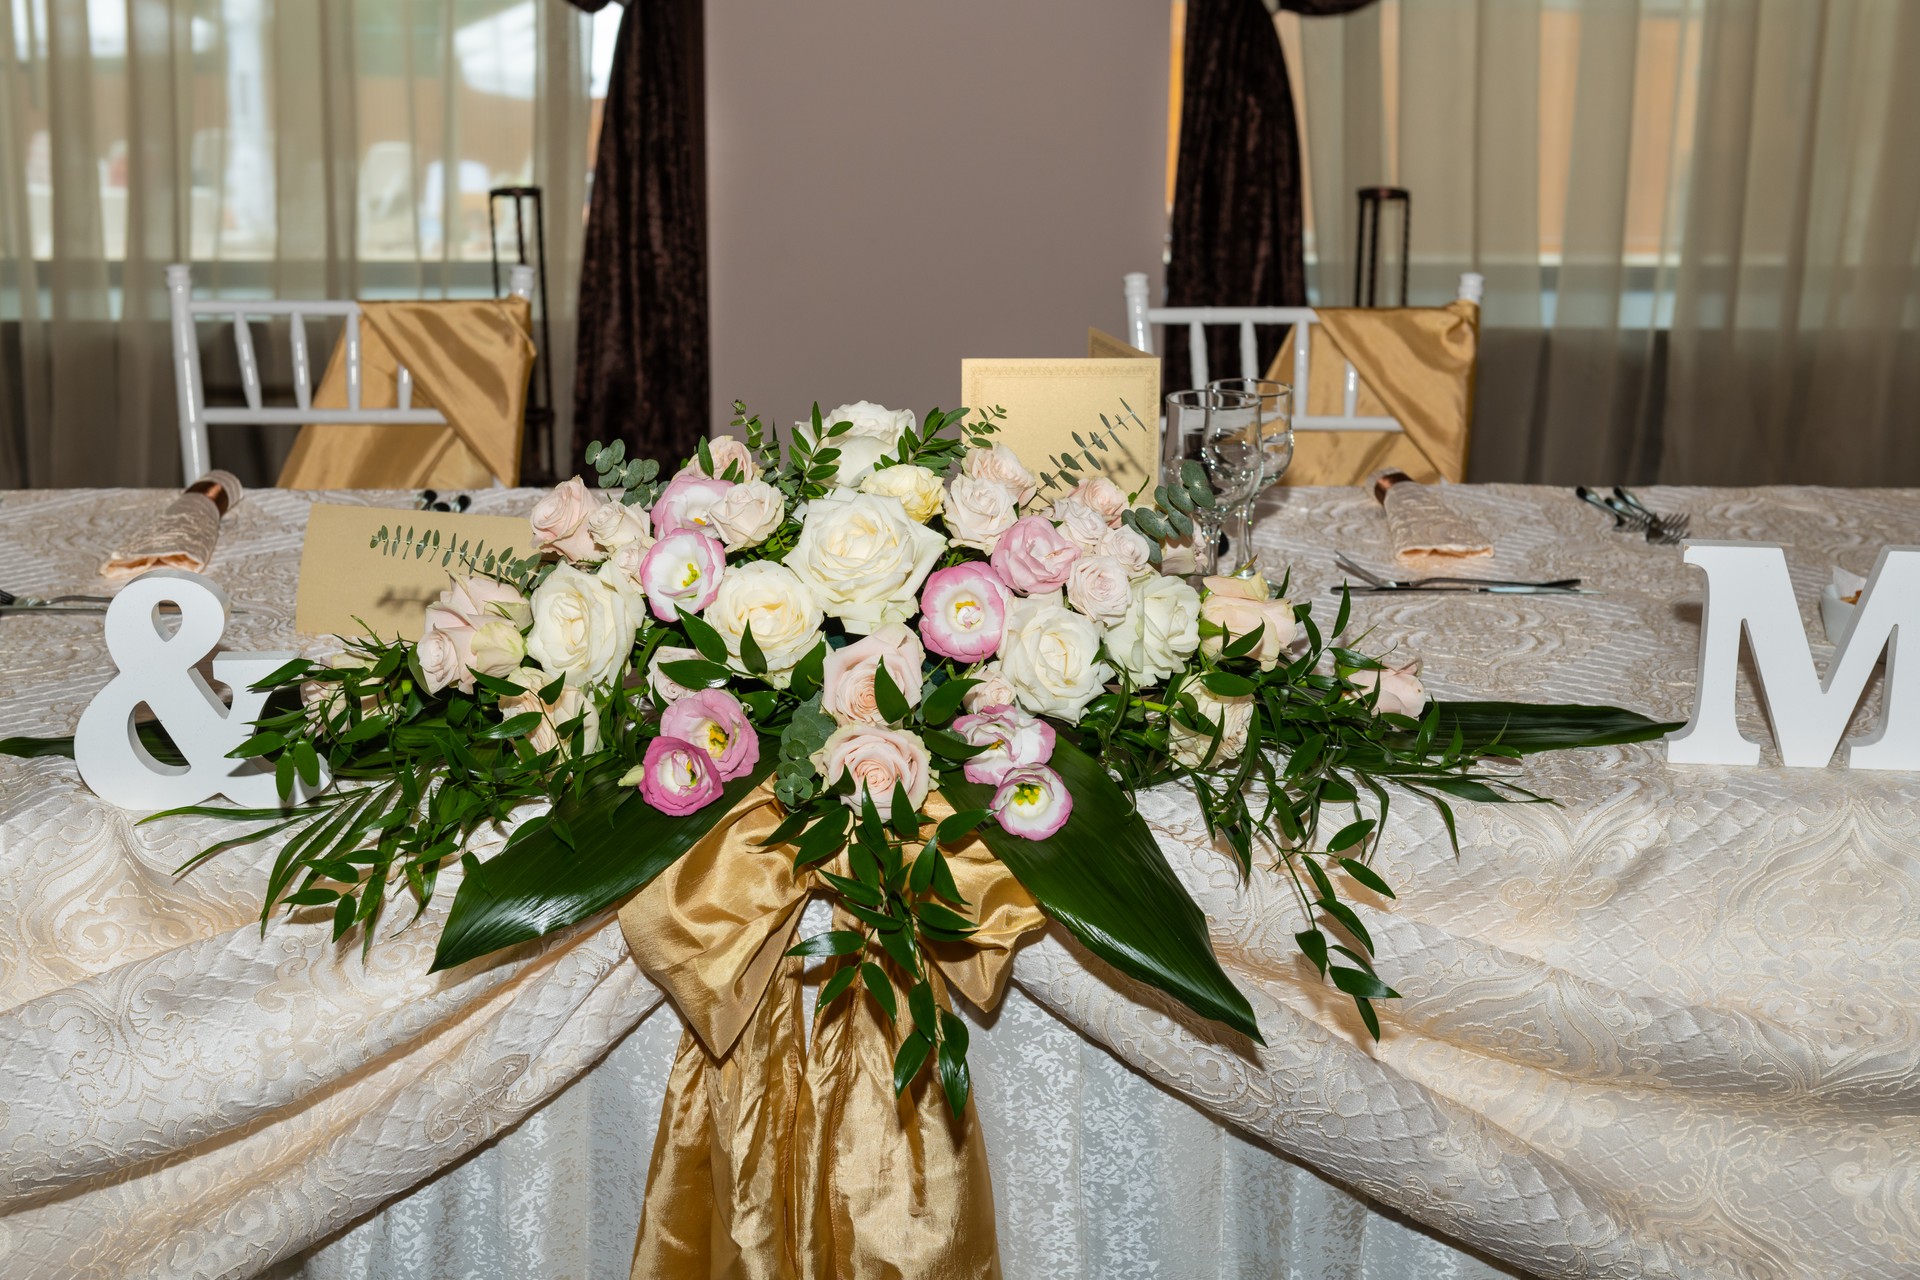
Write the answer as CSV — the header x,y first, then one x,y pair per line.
x,y
350,576
1048,400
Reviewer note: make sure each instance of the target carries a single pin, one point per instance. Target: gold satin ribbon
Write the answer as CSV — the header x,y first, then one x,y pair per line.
x,y
773,1162
470,359
1415,365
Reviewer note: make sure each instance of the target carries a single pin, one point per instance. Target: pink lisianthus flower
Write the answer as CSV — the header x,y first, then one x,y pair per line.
x,y
1013,740
688,502
675,777
1033,803
714,720
963,612
1033,556
682,571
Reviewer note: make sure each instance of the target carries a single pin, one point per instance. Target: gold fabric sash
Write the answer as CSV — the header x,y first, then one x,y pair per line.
x,y
776,1163
1415,365
470,359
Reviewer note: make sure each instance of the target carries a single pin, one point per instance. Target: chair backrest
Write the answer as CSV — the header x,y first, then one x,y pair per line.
x,y
196,417
1141,317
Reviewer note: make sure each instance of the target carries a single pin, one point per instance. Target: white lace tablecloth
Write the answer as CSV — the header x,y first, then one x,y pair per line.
x,y
1667,1027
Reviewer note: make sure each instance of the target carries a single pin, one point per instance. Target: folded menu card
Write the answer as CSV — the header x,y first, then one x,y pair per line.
x,y
1048,400
352,578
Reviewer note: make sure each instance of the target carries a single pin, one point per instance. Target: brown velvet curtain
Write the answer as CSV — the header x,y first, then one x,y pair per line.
x,y
642,370
1236,239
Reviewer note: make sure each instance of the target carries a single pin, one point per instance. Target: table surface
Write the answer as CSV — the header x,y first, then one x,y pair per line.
x,y
1664,1027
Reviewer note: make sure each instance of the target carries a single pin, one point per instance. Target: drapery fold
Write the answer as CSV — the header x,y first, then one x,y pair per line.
x,y
643,354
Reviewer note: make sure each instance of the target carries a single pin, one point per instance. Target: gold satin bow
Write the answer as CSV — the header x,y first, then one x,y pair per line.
x,y
775,1163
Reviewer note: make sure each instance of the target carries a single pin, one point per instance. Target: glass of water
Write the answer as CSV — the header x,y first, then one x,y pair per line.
x,y
1212,428
1272,425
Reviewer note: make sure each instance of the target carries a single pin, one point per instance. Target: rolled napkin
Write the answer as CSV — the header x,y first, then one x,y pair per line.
x,y
182,536
1425,530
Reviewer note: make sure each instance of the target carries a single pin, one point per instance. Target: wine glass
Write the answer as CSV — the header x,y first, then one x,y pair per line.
x,y
1272,425
1210,427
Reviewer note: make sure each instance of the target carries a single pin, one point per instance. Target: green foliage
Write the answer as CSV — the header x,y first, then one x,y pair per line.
x,y
1092,452
638,479
467,555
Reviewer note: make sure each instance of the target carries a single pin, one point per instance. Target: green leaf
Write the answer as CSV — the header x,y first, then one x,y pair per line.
x,y
879,988
1528,727
538,884
943,920
887,696
954,1076
1367,876
940,705
1245,644
1225,684
750,656
1358,982
1314,944
907,1063
691,673
807,673
836,942
703,637
1350,835
834,987
906,820
258,745
920,1005
1103,876
960,825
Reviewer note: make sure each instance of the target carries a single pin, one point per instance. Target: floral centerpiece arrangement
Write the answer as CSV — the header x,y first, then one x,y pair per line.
x,y
890,663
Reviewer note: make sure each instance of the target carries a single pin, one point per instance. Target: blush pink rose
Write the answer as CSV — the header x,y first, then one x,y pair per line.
x,y
714,720
1003,466
682,571
446,656
688,502
1241,605
1100,587
1080,524
560,520
675,777
1032,803
1033,557
728,452
1012,738
992,691
666,690
963,612
1401,692
846,686
876,759
1103,495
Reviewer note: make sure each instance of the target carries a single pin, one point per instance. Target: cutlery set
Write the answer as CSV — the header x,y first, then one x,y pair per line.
x,y
1629,516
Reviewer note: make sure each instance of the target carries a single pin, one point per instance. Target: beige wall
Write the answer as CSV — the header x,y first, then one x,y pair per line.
x,y
897,184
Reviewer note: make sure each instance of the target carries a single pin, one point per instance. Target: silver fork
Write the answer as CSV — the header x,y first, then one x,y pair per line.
x,y
1662,530
1414,584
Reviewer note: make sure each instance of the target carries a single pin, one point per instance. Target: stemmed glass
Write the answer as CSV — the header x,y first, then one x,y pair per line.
x,y
1272,425
1210,427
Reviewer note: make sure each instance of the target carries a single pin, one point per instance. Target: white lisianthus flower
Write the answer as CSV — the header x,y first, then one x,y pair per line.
x,y
1233,715
1050,658
783,611
582,626
875,435
747,514
863,558
918,489
1160,631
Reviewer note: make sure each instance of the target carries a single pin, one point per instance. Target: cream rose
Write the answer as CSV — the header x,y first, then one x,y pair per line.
x,y
747,514
1100,587
1160,631
614,525
918,489
666,690
728,452
978,511
497,647
863,559
1050,657
1233,715
846,687
875,435
1001,465
876,759
783,611
1103,495
571,704
560,520
992,691
1131,548
582,626
1401,692
1240,605
1080,524
446,654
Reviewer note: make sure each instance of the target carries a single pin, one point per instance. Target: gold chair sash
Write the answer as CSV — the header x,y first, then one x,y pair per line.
x,y
1415,365
470,359
773,1162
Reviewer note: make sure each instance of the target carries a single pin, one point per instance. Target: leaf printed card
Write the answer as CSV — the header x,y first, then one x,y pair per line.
x,y
1047,401
381,566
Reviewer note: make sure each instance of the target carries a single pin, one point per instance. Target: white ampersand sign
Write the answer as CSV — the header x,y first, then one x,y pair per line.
x,y
159,669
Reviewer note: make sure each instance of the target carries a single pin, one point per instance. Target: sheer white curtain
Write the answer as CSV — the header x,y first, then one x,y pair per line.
x,y
1699,221
292,150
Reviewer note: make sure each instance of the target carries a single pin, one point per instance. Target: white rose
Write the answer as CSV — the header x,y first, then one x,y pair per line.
x,y
977,512
614,525
917,488
1001,465
582,626
863,558
875,435
1100,587
1233,715
1050,658
1131,548
571,704
747,514
497,647
1160,630
783,611
1080,524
